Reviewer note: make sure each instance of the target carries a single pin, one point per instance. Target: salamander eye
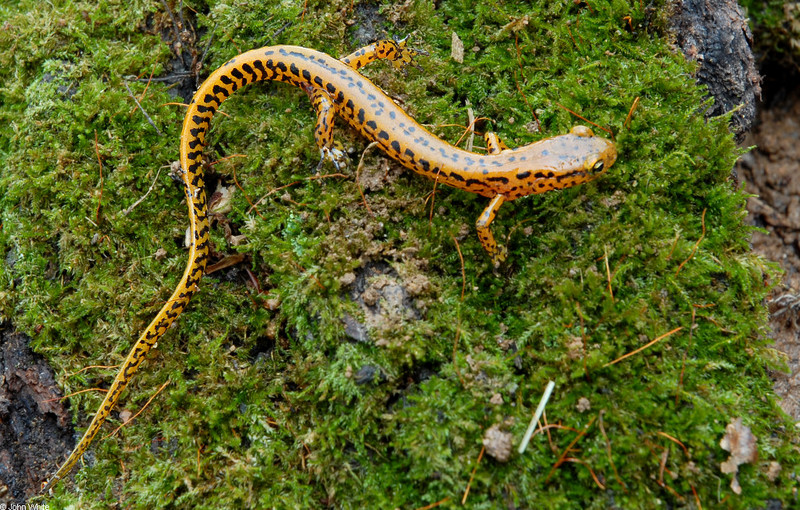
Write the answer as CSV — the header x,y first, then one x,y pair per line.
x,y
595,167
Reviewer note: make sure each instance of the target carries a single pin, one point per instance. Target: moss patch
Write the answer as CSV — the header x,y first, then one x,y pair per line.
x,y
281,408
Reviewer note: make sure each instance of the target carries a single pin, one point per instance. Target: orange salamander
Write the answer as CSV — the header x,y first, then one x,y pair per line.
x,y
336,87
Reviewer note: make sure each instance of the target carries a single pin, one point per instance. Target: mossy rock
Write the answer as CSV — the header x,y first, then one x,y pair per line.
x,y
280,407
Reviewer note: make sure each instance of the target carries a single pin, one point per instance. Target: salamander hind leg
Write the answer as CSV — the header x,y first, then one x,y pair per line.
x,y
323,130
397,52
496,253
493,143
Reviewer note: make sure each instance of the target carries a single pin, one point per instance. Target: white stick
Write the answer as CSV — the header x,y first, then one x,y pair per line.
x,y
538,414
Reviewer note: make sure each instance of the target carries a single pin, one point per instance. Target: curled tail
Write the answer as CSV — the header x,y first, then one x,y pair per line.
x,y
195,125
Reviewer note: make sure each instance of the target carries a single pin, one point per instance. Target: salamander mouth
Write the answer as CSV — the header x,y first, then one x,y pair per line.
x,y
572,177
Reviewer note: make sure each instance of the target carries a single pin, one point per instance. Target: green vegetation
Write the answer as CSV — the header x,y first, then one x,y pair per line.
x,y
280,408
776,25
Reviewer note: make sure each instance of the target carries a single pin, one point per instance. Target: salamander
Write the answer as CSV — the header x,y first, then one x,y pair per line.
x,y
336,87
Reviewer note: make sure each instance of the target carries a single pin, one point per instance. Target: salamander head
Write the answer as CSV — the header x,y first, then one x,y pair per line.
x,y
558,162
596,154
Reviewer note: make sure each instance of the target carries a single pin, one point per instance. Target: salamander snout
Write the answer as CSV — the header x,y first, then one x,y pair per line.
x,y
606,157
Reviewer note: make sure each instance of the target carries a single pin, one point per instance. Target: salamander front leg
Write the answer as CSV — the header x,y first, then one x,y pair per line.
x,y
397,52
323,130
497,253
493,143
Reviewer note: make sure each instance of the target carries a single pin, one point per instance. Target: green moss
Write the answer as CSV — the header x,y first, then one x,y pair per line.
x,y
294,426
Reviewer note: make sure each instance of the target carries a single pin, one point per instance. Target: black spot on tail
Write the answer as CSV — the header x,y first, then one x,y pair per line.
x,y
216,89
